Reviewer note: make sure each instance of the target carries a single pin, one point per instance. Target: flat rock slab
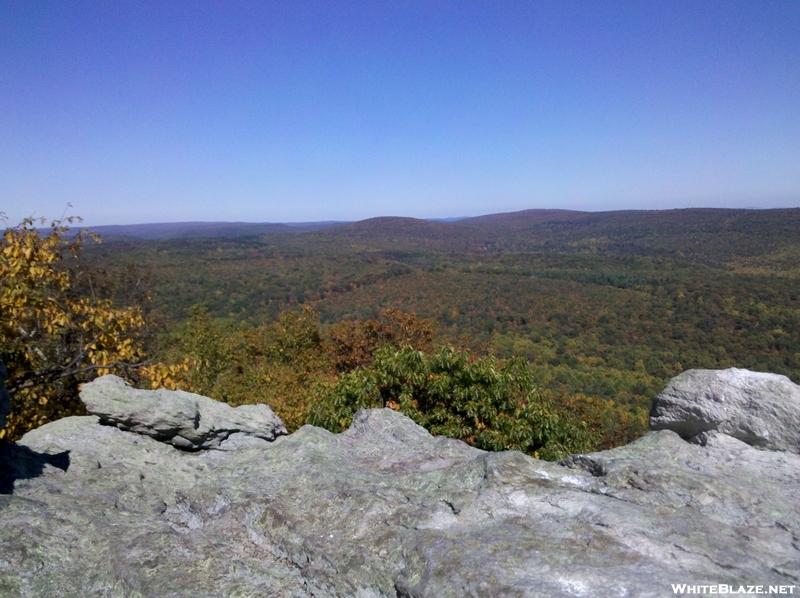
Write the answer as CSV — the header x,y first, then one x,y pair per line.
x,y
386,509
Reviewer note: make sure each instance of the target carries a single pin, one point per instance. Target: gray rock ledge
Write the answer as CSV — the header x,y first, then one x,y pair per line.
x,y
387,510
183,419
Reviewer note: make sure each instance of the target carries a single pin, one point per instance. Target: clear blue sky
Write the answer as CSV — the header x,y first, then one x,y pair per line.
x,y
343,110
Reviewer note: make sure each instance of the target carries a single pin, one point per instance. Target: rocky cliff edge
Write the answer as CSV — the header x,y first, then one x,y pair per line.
x,y
164,494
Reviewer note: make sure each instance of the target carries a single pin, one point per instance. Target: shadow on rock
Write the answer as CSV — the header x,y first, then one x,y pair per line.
x,y
21,463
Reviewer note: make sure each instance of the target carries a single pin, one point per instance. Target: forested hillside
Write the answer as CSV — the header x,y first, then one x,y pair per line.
x,y
606,306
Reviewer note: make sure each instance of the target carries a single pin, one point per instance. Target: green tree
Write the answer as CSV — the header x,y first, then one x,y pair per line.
x,y
489,404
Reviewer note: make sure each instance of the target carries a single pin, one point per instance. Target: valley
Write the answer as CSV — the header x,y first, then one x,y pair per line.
x,y
606,306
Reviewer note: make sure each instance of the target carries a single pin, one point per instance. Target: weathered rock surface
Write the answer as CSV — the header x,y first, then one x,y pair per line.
x,y
385,509
183,419
759,409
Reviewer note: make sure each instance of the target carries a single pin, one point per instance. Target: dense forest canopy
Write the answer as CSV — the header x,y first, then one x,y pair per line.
x,y
605,307
699,288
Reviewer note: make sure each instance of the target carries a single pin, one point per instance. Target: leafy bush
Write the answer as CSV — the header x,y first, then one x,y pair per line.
x,y
489,404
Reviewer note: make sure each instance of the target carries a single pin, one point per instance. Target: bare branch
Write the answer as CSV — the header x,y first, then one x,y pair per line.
x,y
55,373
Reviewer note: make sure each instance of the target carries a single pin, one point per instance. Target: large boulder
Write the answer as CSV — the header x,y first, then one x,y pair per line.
x,y
386,509
762,410
182,419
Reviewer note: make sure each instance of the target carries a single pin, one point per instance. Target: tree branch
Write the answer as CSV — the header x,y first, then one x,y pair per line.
x,y
54,373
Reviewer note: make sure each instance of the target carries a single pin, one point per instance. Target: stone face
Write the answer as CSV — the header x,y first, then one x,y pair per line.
x,y
762,410
183,419
386,509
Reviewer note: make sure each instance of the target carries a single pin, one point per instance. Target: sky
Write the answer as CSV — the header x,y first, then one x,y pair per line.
x,y
135,112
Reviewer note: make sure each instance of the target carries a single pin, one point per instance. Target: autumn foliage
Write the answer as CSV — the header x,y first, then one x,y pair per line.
x,y
354,342
59,325
64,323
281,363
288,364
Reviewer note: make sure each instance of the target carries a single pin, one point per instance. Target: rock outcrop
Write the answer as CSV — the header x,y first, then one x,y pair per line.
x,y
182,419
386,509
759,409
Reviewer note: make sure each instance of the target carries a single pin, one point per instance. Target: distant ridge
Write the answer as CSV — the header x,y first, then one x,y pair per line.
x,y
179,230
185,230
535,223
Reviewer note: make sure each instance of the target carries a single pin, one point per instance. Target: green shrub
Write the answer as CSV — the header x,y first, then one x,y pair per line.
x,y
490,404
